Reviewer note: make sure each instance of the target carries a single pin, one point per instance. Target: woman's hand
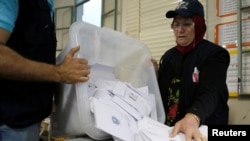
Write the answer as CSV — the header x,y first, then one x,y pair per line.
x,y
189,125
156,67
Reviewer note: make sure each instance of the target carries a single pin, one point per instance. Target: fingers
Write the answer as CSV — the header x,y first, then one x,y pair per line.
x,y
190,135
73,51
189,127
74,70
153,61
82,61
194,134
83,79
203,137
80,70
175,131
197,137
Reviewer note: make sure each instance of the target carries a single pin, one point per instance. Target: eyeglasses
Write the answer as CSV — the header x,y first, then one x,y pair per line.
x,y
184,25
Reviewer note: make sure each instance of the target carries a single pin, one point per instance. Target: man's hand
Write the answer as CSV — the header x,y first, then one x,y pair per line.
x,y
73,70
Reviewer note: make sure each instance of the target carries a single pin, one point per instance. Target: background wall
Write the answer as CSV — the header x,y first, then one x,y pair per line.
x,y
239,107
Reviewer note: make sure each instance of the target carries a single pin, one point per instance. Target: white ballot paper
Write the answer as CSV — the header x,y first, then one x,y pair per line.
x,y
133,97
111,121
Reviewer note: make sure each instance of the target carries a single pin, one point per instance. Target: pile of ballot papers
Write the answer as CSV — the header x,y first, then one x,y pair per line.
x,y
124,112
118,106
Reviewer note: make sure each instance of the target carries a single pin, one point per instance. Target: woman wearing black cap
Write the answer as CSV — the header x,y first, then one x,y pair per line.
x,y
192,75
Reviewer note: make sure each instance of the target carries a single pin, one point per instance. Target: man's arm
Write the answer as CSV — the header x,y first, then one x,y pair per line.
x,y
16,67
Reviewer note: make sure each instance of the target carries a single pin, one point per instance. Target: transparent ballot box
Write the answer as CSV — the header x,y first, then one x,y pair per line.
x,y
112,57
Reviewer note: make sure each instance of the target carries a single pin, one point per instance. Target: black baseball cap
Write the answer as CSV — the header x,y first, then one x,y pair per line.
x,y
186,9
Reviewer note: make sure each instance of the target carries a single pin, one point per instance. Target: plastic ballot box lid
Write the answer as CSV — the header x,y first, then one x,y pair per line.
x,y
112,56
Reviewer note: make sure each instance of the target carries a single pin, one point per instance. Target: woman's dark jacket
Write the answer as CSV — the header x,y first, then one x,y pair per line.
x,y
207,98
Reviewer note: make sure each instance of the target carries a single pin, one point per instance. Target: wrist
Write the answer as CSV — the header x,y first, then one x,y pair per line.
x,y
197,118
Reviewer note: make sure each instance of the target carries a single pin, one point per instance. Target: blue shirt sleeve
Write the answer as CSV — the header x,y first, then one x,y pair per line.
x,y
8,14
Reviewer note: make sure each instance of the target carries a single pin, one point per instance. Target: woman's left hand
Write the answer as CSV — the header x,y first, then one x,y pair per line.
x,y
190,127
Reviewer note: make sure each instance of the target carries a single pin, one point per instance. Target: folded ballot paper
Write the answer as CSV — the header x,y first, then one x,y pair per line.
x,y
125,113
